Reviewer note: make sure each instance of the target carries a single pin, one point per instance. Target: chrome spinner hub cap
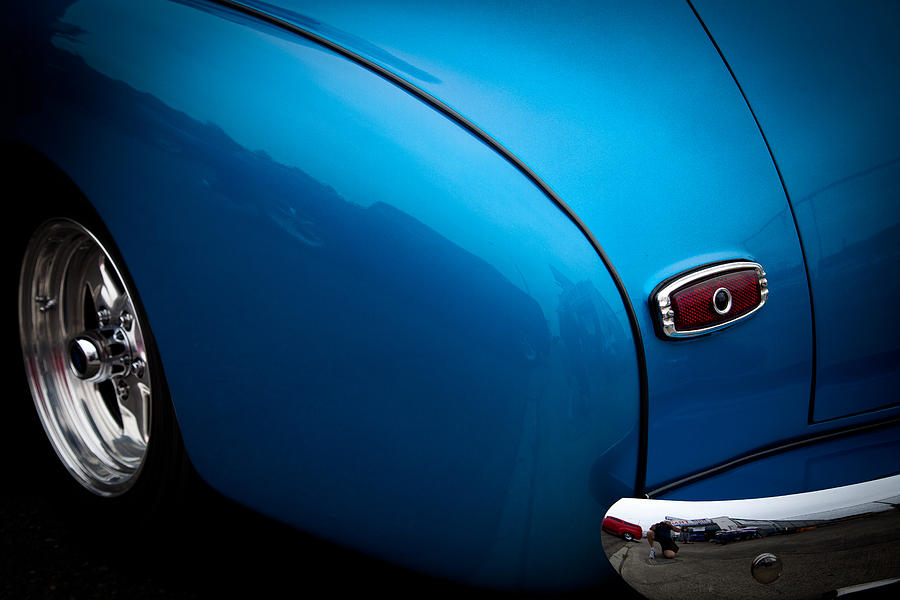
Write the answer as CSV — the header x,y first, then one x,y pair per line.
x,y
85,357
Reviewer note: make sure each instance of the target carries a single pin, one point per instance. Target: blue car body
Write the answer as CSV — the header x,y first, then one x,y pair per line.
x,y
397,258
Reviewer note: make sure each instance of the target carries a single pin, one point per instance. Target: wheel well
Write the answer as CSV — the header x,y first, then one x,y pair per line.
x,y
33,180
42,180
44,191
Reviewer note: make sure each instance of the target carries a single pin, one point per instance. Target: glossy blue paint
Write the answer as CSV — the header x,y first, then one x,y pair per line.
x,y
374,327
631,117
822,81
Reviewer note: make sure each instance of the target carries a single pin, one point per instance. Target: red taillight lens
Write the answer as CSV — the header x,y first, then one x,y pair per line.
x,y
695,305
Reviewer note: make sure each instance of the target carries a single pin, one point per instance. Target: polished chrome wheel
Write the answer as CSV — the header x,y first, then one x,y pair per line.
x,y
85,356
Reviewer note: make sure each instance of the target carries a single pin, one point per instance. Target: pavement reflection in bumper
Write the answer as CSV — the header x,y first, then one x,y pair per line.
x,y
798,546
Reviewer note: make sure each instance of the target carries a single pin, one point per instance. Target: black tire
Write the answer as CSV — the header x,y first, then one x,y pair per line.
x,y
627,537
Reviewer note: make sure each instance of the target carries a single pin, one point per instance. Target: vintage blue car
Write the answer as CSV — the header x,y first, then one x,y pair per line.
x,y
441,282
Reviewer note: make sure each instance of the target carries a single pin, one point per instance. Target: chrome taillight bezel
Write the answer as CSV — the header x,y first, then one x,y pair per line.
x,y
661,299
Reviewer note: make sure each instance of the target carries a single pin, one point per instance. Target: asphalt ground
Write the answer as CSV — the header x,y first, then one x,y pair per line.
x,y
47,553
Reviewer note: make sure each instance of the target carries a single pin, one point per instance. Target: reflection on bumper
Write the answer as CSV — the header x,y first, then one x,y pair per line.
x,y
798,546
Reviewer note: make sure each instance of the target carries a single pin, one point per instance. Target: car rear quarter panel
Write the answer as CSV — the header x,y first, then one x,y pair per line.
x,y
373,326
628,112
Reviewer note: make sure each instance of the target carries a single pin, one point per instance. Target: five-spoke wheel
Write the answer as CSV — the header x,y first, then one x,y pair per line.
x,y
86,358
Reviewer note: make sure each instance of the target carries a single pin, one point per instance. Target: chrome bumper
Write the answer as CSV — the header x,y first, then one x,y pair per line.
x,y
799,546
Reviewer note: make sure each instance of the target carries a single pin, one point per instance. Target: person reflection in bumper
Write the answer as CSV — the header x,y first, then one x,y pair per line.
x,y
662,532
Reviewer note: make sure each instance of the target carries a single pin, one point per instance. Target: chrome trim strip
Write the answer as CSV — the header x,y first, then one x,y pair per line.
x,y
799,545
862,587
662,298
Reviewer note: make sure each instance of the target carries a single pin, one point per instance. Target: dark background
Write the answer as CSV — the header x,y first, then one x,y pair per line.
x,y
51,547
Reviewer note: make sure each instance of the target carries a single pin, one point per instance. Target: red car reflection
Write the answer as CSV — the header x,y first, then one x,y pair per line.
x,y
624,529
